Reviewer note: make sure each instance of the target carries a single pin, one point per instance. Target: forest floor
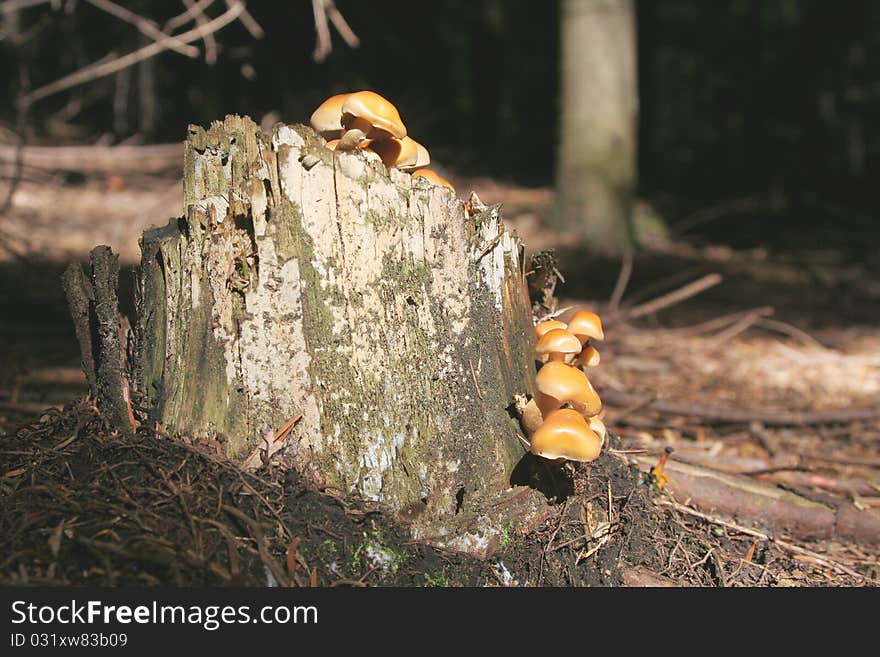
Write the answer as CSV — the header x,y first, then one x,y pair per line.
x,y
763,380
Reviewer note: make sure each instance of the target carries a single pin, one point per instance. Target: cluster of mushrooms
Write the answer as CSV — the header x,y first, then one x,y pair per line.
x,y
562,420
365,121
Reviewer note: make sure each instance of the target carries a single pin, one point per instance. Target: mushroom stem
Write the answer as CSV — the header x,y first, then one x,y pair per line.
x,y
352,138
532,418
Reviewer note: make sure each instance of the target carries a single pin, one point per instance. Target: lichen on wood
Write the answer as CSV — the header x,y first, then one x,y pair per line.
x,y
393,318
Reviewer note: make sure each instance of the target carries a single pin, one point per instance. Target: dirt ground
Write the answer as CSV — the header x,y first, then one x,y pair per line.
x,y
782,331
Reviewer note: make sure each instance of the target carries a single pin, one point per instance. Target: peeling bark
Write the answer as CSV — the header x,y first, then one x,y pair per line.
x,y
307,280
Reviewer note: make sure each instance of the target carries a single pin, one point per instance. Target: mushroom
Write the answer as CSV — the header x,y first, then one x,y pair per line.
x,y
559,384
565,434
367,115
589,357
327,119
657,475
548,325
370,154
557,344
433,177
531,417
598,426
586,325
405,154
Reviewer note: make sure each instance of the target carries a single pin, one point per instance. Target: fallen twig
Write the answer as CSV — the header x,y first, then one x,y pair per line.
x,y
640,576
769,506
792,331
745,415
670,299
154,158
742,324
626,265
490,245
785,545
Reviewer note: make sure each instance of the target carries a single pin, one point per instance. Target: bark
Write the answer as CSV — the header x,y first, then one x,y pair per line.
x,y
101,333
596,169
304,280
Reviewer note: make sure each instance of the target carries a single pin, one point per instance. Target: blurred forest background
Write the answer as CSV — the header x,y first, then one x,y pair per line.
x,y
754,123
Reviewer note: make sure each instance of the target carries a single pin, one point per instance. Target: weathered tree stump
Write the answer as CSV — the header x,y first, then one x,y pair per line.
x,y
392,316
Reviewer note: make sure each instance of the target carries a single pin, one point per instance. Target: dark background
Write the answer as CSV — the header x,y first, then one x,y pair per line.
x,y
760,109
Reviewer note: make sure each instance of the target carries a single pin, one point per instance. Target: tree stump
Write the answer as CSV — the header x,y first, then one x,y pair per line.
x,y
393,317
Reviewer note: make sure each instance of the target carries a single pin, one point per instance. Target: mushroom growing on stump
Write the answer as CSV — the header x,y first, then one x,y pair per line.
x,y
433,177
586,325
566,435
589,357
559,383
548,325
367,115
327,119
405,154
557,344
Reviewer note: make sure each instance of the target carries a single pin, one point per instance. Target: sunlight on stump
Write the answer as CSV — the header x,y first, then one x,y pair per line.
x,y
307,280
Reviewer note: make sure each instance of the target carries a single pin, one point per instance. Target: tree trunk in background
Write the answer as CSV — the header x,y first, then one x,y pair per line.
x,y
596,167
391,316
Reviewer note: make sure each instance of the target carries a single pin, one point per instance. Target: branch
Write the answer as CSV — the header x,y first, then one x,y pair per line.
x,y
744,415
95,159
626,265
785,545
341,25
201,21
250,23
672,298
770,507
182,19
324,9
324,45
145,27
13,5
93,72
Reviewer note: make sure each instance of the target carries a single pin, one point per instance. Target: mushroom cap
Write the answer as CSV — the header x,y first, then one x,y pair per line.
x,y
565,434
327,119
433,177
404,154
382,117
589,357
559,383
331,143
585,325
556,343
547,325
